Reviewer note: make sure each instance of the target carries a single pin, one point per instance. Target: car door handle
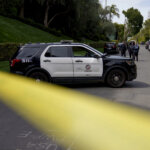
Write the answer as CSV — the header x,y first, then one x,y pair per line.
x,y
78,61
46,60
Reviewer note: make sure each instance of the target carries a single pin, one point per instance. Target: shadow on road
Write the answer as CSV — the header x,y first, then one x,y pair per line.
x,y
131,104
133,84
136,84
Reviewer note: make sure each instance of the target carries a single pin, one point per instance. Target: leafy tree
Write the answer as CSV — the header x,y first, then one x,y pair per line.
x,y
147,23
119,31
8,7
103,13
113,11
76,18
146,30
134,20
47,4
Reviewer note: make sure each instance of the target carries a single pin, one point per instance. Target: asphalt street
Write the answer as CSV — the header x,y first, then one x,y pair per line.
x,y
18,134
136,92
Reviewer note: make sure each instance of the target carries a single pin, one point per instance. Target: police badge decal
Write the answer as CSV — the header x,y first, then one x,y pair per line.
x,y
88,68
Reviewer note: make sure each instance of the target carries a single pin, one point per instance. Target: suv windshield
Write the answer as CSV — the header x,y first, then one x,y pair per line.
x,y
95,50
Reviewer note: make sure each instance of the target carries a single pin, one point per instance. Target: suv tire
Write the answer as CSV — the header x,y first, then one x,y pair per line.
x,y
39,76
116,78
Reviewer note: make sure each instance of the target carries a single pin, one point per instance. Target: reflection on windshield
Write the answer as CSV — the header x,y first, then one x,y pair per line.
x,y
95,50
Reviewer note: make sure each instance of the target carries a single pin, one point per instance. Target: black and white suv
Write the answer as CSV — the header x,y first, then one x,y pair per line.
x,y
68,62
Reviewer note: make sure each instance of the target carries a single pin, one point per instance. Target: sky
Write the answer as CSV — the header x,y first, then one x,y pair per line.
x,y
142,5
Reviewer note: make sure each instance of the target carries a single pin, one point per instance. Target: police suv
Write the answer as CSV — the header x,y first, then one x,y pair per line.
x,y
68,62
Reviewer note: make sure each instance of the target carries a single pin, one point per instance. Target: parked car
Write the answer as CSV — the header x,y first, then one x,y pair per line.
x,y
110,48
142,43
67,62
147,45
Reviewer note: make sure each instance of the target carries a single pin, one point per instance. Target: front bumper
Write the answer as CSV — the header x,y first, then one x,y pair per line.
x,y
132,73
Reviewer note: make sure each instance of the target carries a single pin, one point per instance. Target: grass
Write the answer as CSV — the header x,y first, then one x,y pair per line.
x,y
15,31
4,66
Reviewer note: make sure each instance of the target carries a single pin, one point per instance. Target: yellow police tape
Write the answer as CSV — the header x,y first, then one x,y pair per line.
x,y
86,122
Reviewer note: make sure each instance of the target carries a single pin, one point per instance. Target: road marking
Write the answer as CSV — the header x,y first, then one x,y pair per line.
x,y
24,134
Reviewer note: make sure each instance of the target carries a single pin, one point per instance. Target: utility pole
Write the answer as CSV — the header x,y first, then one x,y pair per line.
x,y
125,29
105,3
149,15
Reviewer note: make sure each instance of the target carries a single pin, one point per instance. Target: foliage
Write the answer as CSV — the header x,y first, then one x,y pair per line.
x,y
9,7
113,11
144,34
7,50
97,45
15,31
135,20
119,31
106,25
4,66
146,30
76,18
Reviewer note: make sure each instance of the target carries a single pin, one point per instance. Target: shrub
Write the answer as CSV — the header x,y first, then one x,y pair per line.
x,y
99,44
7,50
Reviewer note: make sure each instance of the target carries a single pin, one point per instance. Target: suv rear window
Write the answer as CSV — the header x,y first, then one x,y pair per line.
x,y
57,51
28,51
110,44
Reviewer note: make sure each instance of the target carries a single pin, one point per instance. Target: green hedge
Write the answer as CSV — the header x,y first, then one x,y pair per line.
x,y
97,44
7,50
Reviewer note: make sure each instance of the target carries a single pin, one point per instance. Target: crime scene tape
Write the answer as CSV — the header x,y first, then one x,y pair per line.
x,y
88,122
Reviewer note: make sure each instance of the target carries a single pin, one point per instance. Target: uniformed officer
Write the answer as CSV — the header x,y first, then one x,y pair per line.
x,y
123,49
135,51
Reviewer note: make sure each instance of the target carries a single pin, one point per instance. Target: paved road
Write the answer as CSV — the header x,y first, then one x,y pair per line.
x,y
135,93
17,134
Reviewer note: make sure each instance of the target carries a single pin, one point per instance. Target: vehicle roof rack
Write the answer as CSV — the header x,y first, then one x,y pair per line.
x,y
66,41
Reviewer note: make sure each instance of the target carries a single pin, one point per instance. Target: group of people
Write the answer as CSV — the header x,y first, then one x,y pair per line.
x,y
133,50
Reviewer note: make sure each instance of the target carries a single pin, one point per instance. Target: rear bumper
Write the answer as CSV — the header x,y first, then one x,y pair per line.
x,y
16,72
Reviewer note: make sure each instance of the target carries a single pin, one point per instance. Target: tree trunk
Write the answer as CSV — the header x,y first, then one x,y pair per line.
x,y
21,14
110,16
46,14
58,14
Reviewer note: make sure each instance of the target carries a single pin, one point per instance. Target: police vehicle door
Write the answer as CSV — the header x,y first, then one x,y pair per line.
x,y
56,60
85,64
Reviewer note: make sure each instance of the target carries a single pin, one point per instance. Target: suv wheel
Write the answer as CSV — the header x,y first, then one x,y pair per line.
x,y
116,78
39,76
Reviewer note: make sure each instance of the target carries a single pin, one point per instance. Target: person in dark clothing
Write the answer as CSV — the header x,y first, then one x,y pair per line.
x,y
135,51
130,49
123,49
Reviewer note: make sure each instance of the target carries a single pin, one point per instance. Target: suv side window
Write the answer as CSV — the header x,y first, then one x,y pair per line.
x,y
81,52
57,51
27,51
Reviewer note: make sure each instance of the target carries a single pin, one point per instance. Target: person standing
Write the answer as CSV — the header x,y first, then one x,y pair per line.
x,y
123,49
130,49
135,51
